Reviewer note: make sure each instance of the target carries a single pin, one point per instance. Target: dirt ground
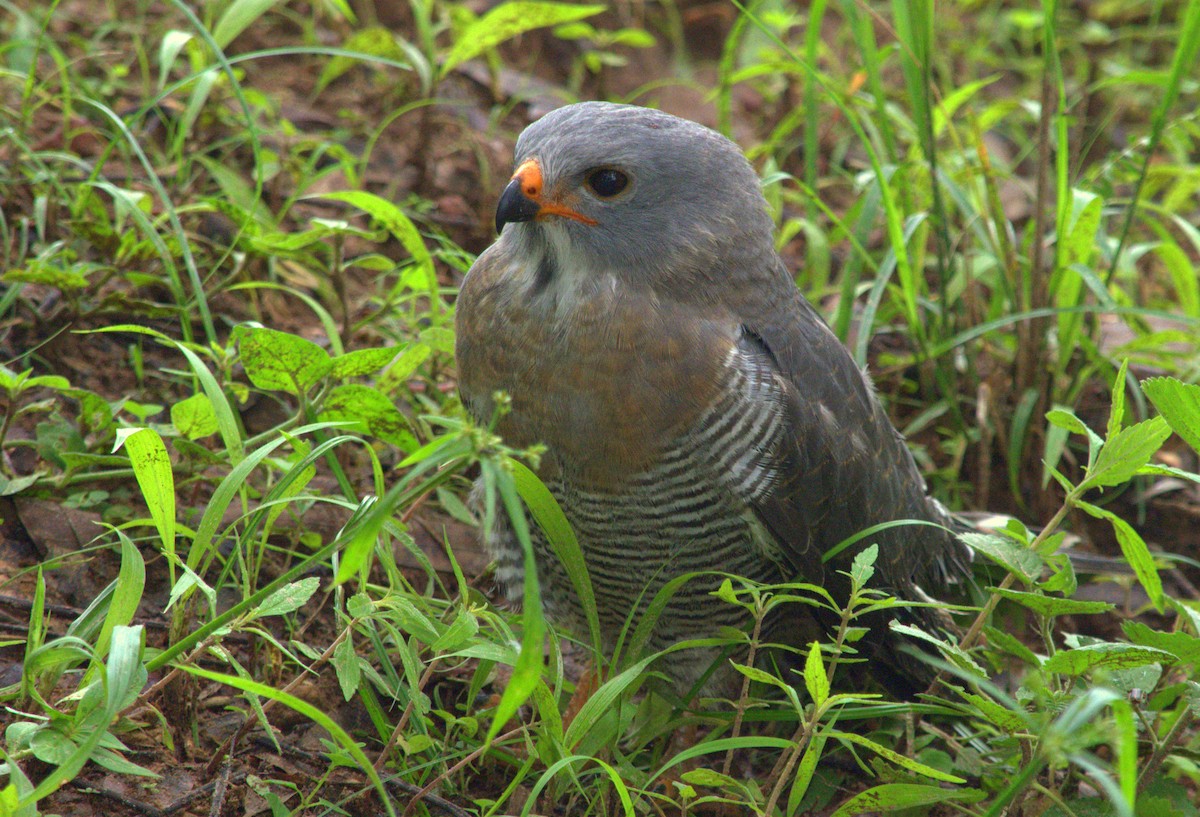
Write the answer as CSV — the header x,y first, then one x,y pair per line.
x,y
454,155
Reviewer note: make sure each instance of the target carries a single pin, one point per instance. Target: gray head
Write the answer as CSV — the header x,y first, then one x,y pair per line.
x,y
603,189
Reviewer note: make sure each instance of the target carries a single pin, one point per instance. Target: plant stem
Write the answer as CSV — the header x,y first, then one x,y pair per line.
x,y
1176,734
446,775
989,607
743,699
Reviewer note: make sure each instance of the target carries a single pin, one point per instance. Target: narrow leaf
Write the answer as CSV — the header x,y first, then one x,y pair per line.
x,y
1135,551
815,679
896,796
1051,606
152,468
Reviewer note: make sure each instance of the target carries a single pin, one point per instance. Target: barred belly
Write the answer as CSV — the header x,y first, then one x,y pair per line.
x,y
690,513
637,542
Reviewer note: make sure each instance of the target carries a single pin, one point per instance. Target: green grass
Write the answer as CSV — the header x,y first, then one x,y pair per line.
x,y
974,193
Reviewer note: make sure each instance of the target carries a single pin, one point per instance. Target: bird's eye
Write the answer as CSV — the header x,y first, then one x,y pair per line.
x,y
607,182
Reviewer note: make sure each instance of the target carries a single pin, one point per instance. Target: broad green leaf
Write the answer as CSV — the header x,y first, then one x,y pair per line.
x,y
439,338
1127,451
1156,79
282,361
52,744
863,567
1062,423
278,242
499,653
708,777
459,634
193,417
17,788
287,598
1109,656
507,21
726,593
362,362
410,619
1051,606
49,381
1022,561
413,356
360,605
1143,678
420,743
374,410
168,50
633,38
15,485
185,584
1065,418
1185,646
955,99
575,31
1167,471
110,760
1179,404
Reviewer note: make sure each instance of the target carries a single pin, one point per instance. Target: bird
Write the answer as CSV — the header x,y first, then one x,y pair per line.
x,y
697,413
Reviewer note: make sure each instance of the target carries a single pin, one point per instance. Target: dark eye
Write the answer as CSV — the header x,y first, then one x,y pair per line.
x,y
607,182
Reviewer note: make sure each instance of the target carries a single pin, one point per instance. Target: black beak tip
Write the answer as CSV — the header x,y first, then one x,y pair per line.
x,y
514,205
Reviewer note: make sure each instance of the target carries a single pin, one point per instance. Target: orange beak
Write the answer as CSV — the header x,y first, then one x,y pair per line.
x,y
524,200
